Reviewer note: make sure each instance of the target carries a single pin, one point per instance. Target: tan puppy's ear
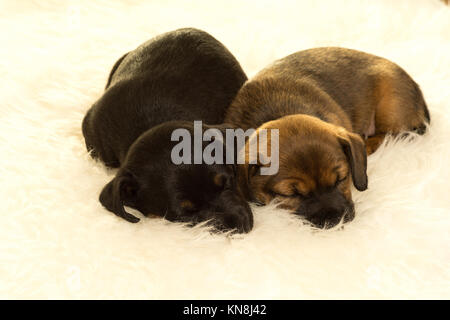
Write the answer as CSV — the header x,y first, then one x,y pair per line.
x,y
355,151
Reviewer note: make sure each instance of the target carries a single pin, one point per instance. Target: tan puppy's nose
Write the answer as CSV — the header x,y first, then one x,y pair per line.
x,y
326,218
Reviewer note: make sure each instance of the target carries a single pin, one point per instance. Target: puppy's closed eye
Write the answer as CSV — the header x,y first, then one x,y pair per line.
x,y
339,180
219,180
222,181
278,193
187,205
287,188
341,174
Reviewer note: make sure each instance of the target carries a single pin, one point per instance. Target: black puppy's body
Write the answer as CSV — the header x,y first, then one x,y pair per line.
x,y
181,75
149,182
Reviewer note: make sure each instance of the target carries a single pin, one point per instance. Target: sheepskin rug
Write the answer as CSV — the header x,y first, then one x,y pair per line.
x,y
56,240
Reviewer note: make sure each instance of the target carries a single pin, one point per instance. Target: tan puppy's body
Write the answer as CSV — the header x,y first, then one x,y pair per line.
x,y
331,105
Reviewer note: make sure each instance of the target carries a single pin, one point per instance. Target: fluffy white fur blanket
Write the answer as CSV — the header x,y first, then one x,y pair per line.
x,y
56,241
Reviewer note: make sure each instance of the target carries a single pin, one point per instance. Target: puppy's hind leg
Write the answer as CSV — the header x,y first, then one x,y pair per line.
x,y
400,108
373,142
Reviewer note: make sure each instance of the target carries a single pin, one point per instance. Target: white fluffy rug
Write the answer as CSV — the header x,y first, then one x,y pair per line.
x,y
56,241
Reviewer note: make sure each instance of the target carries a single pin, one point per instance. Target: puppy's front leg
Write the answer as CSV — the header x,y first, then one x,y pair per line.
x,y
239,220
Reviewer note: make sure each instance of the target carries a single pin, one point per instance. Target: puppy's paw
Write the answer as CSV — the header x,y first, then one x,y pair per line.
x,y
239,222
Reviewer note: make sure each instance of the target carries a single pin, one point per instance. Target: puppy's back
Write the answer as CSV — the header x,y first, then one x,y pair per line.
x,y
337,85
181,75
350,77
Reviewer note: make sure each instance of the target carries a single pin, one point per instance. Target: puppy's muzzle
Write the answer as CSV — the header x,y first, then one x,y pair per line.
x,y
233,212
328,218
328,210
228,212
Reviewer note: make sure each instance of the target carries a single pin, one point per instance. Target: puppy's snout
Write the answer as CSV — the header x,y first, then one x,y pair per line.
x,y
329,211
240,220
326,218
236,213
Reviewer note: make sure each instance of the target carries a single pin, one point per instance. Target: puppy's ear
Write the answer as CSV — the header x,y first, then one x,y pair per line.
x,y
355,151
122,188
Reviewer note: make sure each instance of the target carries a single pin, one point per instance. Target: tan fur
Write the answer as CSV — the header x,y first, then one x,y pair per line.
x,y
219,180
186,204
325,100
294,130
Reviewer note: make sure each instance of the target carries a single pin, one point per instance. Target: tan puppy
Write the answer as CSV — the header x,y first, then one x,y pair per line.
x,y
331,106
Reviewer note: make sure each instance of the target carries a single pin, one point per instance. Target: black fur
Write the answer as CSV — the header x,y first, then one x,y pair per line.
x,y
180,76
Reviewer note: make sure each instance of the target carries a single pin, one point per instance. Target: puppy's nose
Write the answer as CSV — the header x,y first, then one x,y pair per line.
x,y
326,218
349,215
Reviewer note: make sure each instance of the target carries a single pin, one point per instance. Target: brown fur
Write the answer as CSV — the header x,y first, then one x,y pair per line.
x,y
326,102
186,204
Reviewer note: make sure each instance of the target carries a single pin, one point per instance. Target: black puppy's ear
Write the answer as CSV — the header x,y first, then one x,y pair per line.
x,y
122,188
355,151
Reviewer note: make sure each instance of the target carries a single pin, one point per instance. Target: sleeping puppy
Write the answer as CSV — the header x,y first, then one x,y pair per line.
x,y
332,107
150,182
181,75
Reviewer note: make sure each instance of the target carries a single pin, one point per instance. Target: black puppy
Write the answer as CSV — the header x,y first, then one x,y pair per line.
x,y
181,75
